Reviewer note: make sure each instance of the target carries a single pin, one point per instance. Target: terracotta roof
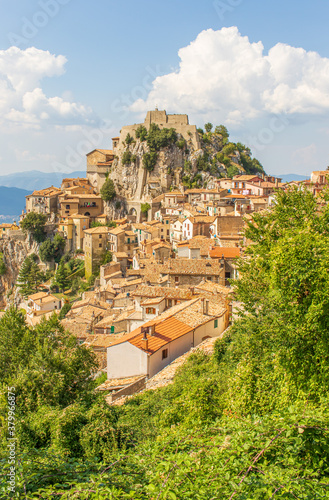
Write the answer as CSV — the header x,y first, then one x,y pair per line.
x,y
42,296
245,177
160,291
116,230
149,302
228,252
97,230
51,191
165,332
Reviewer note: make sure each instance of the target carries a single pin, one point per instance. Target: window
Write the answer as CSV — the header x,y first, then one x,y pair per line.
x,y
100,245
167,221
67,207
150,310
165,353
100,236
216,323
112,329
128,240
176,279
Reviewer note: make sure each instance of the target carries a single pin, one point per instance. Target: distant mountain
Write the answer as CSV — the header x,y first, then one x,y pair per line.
x,y
290,177
34,179
12,202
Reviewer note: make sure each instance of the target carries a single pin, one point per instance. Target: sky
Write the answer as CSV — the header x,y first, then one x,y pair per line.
x,y
72,73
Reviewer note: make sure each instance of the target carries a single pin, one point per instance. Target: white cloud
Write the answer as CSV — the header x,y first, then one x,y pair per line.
x,y
22,100
23,155
222,74
306,156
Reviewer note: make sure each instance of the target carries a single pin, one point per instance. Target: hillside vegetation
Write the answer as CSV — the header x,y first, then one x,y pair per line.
x,y
249,422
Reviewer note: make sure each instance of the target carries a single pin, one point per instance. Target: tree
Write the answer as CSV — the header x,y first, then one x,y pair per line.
x,y
3,268
129,139
222,130
232,170
141,133
108,190
34,223
61,277
29,277
208,127
145,207
284,289
149,161
106,258
46,251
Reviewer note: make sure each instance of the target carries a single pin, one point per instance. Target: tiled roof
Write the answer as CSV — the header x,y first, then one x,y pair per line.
x,y
205,267
227,252
97,230
165,332
116,230
160,291
51,191
149,302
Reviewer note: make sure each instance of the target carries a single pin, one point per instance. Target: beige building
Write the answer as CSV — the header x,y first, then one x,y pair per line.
x,y
44,201
99,163
95,245
90,205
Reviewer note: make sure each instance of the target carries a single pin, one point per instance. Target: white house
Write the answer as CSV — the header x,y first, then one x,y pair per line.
x,y
42,302
157,343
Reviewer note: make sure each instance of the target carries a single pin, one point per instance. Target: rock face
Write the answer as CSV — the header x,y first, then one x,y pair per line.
x,y
14,250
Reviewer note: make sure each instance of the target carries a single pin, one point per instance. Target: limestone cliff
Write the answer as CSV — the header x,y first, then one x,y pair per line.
x,y
15,251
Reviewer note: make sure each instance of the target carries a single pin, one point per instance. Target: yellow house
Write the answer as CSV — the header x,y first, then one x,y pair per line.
x,y
5,228
95,244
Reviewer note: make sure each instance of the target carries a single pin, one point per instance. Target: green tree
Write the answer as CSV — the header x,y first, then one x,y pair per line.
x,y
232,170
129,139
141,133
106,258
222,130
3,268
61,277
208,127
29,277
107,191
34,224
149,161
145,207
46,251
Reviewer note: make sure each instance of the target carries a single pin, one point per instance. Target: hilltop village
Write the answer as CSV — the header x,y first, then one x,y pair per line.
x,y
138,257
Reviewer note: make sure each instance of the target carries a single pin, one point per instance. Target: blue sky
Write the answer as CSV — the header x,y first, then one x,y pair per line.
x,y
83,69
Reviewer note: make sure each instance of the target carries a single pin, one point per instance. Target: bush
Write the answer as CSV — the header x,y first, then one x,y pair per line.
x,y
208,127
34,224
145,207
181,143
141,133
107,191
149,161
126,158
65,309
129,139
3,268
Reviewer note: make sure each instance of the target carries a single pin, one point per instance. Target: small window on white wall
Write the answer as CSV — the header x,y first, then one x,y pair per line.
x,y
165,353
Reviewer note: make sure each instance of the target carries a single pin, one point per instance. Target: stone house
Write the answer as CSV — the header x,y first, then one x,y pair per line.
x,y
43,201
90,205
197,225
95,245
5,229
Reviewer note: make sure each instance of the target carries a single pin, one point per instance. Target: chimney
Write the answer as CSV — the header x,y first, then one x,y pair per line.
x,y
202,306
206,307
145,341
276,182
152,330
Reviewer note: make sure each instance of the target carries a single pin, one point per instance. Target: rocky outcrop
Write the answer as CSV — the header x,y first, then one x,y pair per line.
x,y
14,250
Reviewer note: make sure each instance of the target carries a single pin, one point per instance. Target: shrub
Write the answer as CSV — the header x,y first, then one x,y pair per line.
x,y
34,224
141,133
149,161
108,190
129,139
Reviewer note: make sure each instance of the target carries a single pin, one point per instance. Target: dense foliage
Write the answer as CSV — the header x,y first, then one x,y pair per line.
x,y
107,191
30,277
34,223
52,250
3,268
249,422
